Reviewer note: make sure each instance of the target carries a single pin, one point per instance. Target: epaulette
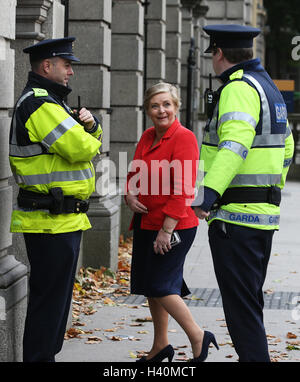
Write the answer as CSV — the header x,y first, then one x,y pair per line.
x,y
38,92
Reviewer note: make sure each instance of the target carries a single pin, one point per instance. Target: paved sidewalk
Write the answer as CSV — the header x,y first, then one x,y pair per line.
x,y
282,312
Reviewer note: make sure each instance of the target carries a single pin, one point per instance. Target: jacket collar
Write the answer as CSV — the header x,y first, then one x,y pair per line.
x,y
35,80
251,65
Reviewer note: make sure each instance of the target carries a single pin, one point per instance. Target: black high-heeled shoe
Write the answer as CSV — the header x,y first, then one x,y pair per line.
x,y
207,339
167,352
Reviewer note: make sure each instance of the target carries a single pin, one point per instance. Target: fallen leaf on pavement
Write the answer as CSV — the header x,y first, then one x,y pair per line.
x,y
180,347
78,323
73,333
269,291
293,342
184,358
93,340
115,338
291,335
145,319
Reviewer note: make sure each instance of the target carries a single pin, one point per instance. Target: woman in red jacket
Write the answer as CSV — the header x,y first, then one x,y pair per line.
x,y
160,190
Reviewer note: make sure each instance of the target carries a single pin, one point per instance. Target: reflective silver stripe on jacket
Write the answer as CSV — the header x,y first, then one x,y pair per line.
x,y
25,151
26,95
59,130
14,122
288,131
237,116
256,179
237,148
14,148
58,176
266,138
17,208
239,217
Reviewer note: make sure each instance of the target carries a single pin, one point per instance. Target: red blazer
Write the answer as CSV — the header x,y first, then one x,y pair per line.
x,y
164,177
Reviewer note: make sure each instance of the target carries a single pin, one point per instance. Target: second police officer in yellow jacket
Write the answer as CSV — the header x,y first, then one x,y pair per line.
x,y
246,152
51,149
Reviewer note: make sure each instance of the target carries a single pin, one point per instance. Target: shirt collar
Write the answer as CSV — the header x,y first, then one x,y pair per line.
x,y
171,130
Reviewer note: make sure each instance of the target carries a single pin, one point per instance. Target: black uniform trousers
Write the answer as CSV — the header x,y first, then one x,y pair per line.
x,y
240,257
53,259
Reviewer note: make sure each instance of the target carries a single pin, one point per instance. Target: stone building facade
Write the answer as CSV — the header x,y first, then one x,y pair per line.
x,y
124,47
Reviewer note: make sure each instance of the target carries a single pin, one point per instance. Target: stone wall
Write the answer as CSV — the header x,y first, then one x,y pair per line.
x,y
124,46
247,12
92,81
127,64
13,274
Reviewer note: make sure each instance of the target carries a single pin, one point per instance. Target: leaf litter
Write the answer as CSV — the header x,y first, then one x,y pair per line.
x,y
104,287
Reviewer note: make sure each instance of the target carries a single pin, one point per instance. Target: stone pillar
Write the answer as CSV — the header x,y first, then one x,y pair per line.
x,y
173,46
35,21
224,12
199,12
197,37
13,274
30,16
156,55
126,90
187,34
255,15
54,25
92,29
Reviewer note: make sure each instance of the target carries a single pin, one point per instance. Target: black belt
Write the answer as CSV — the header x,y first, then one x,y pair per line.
x,y
55,201
246,195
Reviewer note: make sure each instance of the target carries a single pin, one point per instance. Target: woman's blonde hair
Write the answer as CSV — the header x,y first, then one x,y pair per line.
x,y
162,87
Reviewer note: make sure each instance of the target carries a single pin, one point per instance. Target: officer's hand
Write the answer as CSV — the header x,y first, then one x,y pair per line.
x,y
135,205
200,213
87,118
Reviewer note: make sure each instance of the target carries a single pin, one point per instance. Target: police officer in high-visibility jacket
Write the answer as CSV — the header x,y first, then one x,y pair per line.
x,y
51,148
246,152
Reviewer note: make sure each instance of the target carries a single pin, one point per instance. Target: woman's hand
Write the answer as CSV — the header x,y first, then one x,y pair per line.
x,y
163,238
135,205
162,242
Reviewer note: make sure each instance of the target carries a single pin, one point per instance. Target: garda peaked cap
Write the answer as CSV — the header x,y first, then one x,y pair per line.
x,y
230,36
59,47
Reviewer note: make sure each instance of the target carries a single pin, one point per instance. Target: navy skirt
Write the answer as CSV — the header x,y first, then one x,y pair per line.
x,y
156,275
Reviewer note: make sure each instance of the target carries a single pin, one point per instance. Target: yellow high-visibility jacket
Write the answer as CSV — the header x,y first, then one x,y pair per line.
x,y
49,148
247,143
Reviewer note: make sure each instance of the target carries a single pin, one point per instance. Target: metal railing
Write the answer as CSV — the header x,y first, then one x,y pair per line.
x,y
191,61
